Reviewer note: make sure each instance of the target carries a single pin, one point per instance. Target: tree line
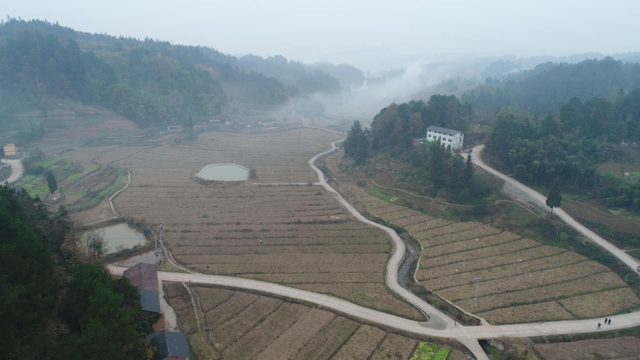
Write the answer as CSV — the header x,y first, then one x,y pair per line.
x,y
568,148
544,89
150,81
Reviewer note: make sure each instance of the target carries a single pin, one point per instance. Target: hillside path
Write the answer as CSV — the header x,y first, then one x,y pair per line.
x,y
476,155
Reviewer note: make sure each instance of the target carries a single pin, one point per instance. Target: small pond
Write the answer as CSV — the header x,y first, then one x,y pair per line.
x,y
223,172
121,236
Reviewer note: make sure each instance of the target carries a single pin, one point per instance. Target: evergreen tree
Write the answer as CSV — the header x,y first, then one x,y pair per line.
x,y
436,164
468,172
51,182
356,145
555,197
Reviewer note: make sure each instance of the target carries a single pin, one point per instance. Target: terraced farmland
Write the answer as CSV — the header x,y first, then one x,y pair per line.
x,y
249,326
522,280
309,240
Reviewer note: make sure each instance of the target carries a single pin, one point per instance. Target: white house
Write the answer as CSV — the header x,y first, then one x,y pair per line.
x,y
448,137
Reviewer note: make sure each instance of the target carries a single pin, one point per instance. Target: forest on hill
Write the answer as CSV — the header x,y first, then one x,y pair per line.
x,y
544,89
149,82
567,149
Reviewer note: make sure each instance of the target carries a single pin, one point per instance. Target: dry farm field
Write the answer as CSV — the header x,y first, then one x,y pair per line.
x,y
522,280
248,326
309,240
621,348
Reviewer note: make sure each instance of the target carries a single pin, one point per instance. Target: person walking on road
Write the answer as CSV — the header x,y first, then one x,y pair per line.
x,y
609,321
599,325
605,321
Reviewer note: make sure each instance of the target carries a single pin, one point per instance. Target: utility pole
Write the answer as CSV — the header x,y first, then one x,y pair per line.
x,y
477,287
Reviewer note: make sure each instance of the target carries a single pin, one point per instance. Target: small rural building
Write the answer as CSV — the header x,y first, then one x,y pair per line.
x,y
448,137
170,345
145,277
10,150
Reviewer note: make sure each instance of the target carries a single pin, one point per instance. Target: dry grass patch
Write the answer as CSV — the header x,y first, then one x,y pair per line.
x,y
475,243
476,233
212,297
428,224
314,278
595,283
524,281
503,271
498,250
546,311
371,295
602,303
395,346
625,347
449,229
233,329
488,262
329,340
362,344
265,333
229,309
297,336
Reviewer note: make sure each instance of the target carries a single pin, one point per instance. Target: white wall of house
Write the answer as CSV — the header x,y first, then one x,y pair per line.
x,y
455,141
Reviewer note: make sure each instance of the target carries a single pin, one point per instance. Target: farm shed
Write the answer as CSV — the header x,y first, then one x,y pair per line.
x,y
170,345
145,278
10,150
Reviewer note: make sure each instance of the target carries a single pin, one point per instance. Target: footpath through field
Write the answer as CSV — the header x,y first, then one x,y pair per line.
x,y
541,200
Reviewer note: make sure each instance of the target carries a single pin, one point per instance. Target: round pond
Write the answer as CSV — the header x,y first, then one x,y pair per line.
x,y
223,172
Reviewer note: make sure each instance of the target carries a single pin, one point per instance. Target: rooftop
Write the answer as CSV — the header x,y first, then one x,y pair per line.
x,y
145,278
170,344
442,130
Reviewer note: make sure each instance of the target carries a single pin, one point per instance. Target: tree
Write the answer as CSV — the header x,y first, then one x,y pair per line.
x,y
188,127
356,145
95,244
436,164
555,197
51,182
468,172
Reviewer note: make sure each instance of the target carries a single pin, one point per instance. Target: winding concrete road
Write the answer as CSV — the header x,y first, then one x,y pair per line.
x,y
632,263
459,332
16,170
438,325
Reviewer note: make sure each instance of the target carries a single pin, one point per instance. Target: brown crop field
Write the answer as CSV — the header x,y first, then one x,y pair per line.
x,y
309,240
622,348
362,344
521,279
266,328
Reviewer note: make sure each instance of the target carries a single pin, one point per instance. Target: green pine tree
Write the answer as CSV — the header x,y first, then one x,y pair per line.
x,y
554,200
51,182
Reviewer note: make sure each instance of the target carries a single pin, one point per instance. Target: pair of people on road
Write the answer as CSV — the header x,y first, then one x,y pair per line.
x,y
606,322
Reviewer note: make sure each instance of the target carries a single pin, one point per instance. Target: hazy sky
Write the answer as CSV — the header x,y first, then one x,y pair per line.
x,y
372,34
